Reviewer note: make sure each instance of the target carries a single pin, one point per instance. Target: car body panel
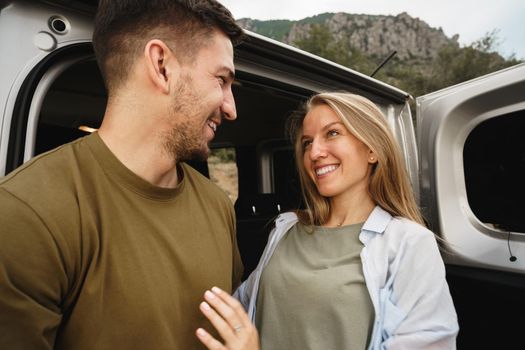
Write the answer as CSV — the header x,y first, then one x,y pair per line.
x,y
445,119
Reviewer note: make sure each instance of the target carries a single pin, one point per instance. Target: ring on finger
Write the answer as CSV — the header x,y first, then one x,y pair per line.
x,y
237,328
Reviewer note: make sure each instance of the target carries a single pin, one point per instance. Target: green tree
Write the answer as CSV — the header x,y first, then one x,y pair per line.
x,y
453,64
321,42
223,155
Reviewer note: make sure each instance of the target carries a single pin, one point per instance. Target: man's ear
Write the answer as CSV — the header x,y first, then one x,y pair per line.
x,y
160,63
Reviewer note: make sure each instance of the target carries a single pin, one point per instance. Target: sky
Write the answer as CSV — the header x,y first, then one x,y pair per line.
x,y
471,19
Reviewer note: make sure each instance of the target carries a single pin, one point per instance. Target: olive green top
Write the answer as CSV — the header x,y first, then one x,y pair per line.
x,y
94,257
313,293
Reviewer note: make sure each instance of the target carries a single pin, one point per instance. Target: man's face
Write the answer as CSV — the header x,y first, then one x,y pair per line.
x,y
202,97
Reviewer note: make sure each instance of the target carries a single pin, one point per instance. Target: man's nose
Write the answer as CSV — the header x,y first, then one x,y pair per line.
x,y
228,106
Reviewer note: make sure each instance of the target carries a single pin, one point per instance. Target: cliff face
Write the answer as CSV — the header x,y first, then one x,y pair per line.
x,y
372,34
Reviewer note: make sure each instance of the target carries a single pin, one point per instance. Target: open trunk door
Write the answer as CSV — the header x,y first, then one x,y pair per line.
x,y
472,157
471,141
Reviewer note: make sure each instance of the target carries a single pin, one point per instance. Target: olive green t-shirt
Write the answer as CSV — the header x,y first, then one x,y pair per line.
x,y
94,257
313,294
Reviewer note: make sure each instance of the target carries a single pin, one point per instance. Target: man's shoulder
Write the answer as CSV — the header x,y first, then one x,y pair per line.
x,y
202,184
40,176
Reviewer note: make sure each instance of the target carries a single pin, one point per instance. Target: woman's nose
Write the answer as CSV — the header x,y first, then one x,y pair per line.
x,y
318,150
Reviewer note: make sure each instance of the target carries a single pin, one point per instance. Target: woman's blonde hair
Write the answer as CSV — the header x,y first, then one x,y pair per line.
x,y
389,184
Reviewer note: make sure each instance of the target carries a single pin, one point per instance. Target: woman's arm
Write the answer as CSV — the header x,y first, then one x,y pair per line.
x,y
421,292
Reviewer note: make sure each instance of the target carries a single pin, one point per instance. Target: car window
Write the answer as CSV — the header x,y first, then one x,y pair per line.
x,y
223,172
494,162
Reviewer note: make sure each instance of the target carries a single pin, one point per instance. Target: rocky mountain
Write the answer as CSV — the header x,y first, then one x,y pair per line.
x,y
374,35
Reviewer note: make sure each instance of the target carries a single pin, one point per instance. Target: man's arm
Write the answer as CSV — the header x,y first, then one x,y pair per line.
x,y
33,280
238,267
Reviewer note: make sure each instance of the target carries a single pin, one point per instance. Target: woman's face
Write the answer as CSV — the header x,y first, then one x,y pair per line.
x,y
336,161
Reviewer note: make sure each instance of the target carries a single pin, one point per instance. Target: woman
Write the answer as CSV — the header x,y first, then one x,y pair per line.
x,y
356,269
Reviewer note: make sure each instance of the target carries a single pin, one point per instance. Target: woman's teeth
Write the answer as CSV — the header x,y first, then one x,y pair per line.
x,y
326,169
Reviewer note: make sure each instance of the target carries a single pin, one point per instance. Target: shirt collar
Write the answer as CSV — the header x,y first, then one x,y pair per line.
x,y
375,224
286,219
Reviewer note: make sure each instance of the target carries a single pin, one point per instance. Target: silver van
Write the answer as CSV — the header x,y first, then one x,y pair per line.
x,y
465,151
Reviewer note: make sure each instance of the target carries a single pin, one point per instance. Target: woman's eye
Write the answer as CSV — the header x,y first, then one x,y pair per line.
x,y
333,133
306,144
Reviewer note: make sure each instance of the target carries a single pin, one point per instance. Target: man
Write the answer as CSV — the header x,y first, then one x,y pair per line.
x,y
110,242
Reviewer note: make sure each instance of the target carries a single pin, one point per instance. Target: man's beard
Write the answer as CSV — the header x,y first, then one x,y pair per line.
x,y
185,141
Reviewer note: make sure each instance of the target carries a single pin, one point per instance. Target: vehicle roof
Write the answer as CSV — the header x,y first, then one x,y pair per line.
x,y
318,66
290,57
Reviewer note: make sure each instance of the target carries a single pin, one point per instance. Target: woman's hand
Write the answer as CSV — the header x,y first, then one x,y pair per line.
x,y
227,315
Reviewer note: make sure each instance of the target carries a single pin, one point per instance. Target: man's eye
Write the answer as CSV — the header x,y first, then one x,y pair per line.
x,y
222,80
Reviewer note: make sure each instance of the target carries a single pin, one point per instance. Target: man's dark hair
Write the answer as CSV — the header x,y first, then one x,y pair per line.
x,y
123,27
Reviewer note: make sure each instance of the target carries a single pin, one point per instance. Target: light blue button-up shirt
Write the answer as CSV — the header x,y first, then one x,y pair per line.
x,y
405,277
